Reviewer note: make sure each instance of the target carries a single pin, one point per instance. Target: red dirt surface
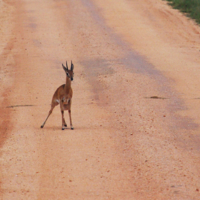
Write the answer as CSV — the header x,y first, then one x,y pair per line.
x,y
135,106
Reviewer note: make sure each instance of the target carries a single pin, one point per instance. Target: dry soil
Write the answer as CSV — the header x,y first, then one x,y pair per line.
x,y
135,107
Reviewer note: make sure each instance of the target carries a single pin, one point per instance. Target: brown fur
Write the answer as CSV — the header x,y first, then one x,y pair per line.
x,y
63,96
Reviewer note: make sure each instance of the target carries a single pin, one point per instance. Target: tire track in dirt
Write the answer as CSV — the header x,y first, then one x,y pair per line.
x,y
178,126
6,72
7,61
172,130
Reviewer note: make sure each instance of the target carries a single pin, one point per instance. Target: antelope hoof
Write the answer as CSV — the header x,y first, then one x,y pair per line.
x,y
72,128
42,126
64,127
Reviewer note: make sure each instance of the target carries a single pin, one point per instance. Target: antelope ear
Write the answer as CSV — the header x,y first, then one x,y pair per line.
x,y
66,65
72,66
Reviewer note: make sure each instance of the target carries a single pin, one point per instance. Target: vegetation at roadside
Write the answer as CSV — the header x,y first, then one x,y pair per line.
x,y
190,7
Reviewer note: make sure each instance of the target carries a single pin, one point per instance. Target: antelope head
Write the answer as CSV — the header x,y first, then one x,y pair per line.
x,y
69,72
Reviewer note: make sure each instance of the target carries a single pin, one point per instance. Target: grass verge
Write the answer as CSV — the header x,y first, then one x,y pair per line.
x,y
190,7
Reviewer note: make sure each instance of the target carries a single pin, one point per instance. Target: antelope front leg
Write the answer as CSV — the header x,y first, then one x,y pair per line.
x,y
70,118
64,125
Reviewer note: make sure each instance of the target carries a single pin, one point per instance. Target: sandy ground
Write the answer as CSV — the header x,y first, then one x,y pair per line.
x,y
135,106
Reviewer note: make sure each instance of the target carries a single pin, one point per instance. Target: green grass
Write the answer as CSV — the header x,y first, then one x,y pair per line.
x,y
191,7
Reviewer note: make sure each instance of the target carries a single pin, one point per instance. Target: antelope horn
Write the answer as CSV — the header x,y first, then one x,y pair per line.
x,y
66,65
72,66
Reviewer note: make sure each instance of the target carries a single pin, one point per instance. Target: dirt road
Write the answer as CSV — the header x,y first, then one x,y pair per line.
x,y
135,107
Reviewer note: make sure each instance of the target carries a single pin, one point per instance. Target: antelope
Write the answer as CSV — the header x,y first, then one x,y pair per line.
x,y
63,96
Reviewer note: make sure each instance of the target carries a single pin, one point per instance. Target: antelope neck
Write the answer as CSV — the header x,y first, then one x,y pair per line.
x,y
67,84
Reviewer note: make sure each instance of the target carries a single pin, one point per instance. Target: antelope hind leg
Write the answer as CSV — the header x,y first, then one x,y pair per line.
x,y
52,107
46,118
